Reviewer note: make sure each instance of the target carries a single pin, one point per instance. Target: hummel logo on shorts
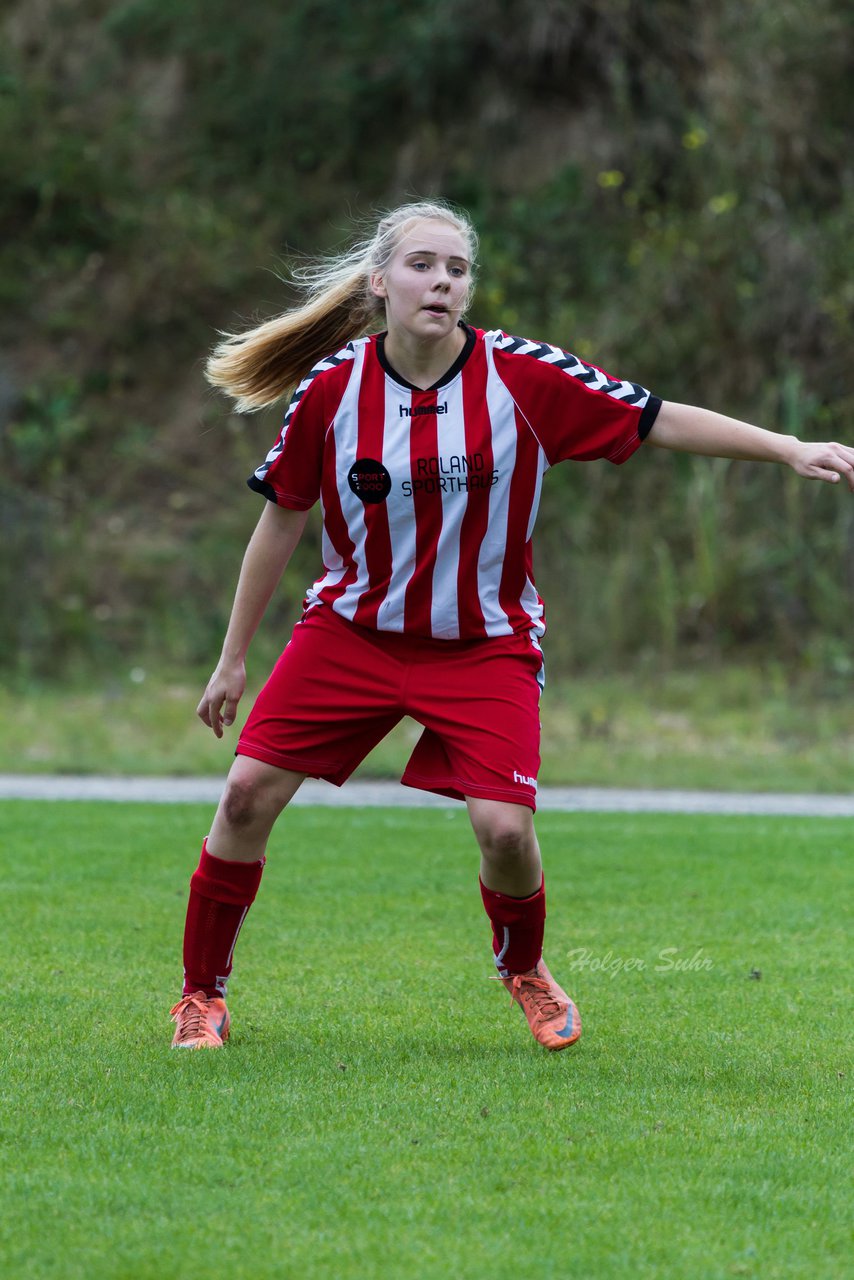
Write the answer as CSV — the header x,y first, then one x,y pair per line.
x,y
526,782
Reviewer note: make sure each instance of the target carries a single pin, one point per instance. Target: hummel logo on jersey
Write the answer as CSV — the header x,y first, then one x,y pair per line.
x,y
526,782
419,410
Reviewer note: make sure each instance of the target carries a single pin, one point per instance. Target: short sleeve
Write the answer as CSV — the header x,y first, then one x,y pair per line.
x,y
290,475
575,410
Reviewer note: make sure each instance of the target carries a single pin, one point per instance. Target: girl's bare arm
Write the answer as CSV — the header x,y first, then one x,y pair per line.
x,y
270,548
694,430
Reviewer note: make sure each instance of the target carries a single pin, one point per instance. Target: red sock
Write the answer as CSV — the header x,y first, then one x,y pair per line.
x,y
517,929
220,895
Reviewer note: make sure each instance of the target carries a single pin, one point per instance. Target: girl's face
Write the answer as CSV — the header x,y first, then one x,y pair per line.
x,y
426,283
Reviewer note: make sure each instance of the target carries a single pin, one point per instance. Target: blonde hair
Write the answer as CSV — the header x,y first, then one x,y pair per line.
x,y
260,366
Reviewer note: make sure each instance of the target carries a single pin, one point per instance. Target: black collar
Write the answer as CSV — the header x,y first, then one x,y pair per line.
x,y
445,378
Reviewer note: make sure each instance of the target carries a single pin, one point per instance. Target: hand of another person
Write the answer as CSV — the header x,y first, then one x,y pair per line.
x,y
225,686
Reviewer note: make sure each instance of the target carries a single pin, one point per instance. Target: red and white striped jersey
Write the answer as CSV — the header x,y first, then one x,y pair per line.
x,y
429,498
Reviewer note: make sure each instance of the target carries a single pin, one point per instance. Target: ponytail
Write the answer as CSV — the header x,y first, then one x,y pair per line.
x,y
260,366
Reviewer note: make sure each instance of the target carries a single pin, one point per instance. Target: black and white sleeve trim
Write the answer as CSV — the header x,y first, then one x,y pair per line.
x,y
595,379
648,416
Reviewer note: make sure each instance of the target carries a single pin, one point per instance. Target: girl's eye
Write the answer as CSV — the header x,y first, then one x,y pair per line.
x,y
457,271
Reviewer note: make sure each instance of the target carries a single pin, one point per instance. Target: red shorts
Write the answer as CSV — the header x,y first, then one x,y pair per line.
x,y
339,688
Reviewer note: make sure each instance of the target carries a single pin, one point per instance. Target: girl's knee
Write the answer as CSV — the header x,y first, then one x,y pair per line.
x,y
506,844
240,802
252,794
506,834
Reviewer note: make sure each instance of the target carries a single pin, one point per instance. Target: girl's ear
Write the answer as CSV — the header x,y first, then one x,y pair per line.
x,y
378,289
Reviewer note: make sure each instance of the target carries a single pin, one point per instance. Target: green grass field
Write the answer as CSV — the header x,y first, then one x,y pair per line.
x,y
381,1110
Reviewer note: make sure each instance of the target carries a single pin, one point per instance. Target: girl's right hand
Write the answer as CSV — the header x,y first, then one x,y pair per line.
x,y
225,686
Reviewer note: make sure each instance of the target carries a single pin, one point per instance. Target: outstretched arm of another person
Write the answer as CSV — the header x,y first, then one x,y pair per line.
x,y
270,548
694,430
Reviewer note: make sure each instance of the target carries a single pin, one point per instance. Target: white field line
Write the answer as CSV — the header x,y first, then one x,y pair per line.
x,y
392,794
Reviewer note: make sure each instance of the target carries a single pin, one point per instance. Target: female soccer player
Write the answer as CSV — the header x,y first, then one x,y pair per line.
x,y
426,445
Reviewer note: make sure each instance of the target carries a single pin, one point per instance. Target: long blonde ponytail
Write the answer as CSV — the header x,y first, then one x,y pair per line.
x,y
260,366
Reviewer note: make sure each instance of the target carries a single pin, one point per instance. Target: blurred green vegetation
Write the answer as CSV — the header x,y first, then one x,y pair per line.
x,y
665,188
731,729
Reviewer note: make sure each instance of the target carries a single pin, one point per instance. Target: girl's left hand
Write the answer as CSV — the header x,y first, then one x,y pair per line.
x,y
824,462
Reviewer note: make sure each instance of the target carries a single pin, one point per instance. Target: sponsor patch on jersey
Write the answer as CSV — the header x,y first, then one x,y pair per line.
x,y
369,480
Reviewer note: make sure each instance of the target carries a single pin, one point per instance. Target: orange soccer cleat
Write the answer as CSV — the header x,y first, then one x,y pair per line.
x,y
552,1016
203,1022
